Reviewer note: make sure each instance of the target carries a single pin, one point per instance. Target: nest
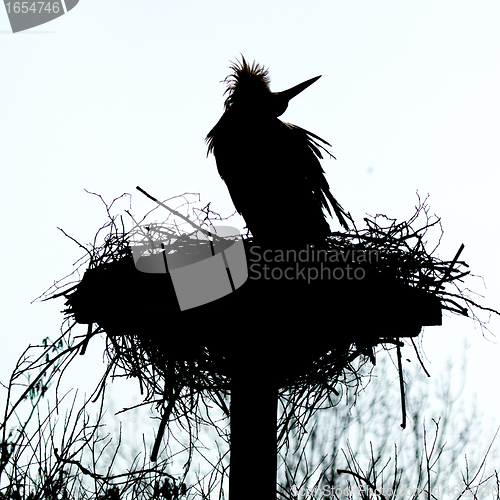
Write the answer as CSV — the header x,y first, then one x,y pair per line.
x,y
366,287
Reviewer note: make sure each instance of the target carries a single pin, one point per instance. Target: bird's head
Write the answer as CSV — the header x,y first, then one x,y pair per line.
x,y
249,92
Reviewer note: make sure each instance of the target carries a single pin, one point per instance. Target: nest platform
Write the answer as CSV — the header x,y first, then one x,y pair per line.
x,y
332,313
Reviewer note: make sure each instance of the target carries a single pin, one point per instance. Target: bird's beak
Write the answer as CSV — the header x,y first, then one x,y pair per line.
x,y
291,93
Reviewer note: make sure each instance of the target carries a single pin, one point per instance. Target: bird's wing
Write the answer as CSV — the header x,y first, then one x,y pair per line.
x,y
310,148
236,164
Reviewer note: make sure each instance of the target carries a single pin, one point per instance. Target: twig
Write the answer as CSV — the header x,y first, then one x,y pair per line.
x,y
450,268
178,214
401,387
419,358
361,478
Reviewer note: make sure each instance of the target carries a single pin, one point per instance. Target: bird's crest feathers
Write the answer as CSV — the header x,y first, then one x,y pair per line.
x,y
246,80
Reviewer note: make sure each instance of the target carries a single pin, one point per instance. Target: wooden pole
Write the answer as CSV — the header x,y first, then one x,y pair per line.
x,y
254,408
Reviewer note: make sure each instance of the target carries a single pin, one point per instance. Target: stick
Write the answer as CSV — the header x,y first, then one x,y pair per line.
x,y
178,214
401,387
449,269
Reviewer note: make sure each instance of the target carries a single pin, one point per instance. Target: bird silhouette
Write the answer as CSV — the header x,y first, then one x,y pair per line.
x,y
271,168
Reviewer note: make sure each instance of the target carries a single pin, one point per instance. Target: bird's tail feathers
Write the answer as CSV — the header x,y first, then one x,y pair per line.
x,y
339,211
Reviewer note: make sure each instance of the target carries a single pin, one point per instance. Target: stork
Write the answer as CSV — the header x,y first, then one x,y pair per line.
x,y
271,168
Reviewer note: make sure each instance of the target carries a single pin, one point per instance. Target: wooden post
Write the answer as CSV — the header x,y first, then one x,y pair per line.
x,y
254,408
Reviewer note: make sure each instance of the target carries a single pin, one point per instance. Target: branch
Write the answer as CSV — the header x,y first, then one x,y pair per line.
x,y
361,478
178,214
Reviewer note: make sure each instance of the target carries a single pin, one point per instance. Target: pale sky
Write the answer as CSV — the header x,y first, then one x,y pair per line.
x,y
119,93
